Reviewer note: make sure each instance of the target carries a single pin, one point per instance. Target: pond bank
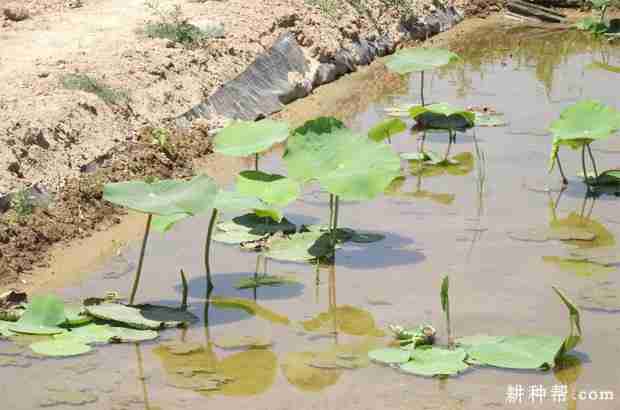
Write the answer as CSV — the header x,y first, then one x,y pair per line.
x,y
77,210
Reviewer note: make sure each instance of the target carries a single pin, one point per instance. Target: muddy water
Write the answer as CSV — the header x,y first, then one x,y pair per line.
x,y
458,223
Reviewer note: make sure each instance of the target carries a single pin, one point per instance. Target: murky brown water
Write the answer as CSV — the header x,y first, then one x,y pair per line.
x,y
435,225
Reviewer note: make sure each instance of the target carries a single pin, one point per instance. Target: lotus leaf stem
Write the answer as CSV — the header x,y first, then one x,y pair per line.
x,y
136,280
557,159
583,166
208,248
331,210
256,162
593,161
185,290
335,222
422,87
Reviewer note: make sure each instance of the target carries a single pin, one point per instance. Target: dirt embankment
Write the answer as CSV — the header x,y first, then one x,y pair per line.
x,y
83,86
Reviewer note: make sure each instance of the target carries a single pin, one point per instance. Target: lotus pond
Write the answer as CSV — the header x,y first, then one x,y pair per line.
x,y
475,204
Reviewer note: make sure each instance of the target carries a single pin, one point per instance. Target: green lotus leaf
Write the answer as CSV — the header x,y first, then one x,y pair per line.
x,y
274,189
60,348
574,337
489,120
236,237
264,280
442,116
609,178
163,223
243,138
299,247
390,355
419,59
582,123
518,352
250,307
89,334
435,361
344,163
125,335
256,225
129,316
43,316
386,129
413,156
76,315
167,197
469,342
167,314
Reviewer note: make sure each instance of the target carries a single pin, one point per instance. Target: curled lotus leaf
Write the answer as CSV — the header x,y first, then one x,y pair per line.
x,y
43,316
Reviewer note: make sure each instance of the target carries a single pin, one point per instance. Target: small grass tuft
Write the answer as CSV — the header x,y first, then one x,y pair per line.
x,y
85,83
22,204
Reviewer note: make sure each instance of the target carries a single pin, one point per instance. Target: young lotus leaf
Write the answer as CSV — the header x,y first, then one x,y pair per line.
x,y
76,315
60,348
574,337
126,315
250,307
167,197
435,361
243,138
43,317
442,116
264,280
582,123
419,59
390,355
299,247
518,352
274,189
345,164
386,129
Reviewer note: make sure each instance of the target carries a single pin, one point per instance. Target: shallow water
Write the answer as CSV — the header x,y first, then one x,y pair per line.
x,y
446,224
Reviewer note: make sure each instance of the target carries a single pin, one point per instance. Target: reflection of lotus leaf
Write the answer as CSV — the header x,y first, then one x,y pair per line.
x,y
461,164
305,377
252,371
600,296
603,237
349,320
567,369
187,367
581,268
250,307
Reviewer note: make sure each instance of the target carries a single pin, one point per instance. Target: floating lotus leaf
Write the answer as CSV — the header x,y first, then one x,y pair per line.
x,y
76,315
299,247
418,59
390,355
252,372
236,237
125,335
582,123
238,342
435,361
166,197
265,280
60,348
347,319
387,128
126,315
89,334
518,352
42,317
275,190
250,307
469,342
600,296
298,372
442,116
243,138
166,314
256,225
345,164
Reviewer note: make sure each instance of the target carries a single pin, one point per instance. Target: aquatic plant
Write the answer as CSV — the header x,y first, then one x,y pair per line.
x,y
164,198
419,60
600,26
347,165
245,138
386,129
578,126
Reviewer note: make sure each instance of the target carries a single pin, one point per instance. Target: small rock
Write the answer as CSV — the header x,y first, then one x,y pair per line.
x,y
16,13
